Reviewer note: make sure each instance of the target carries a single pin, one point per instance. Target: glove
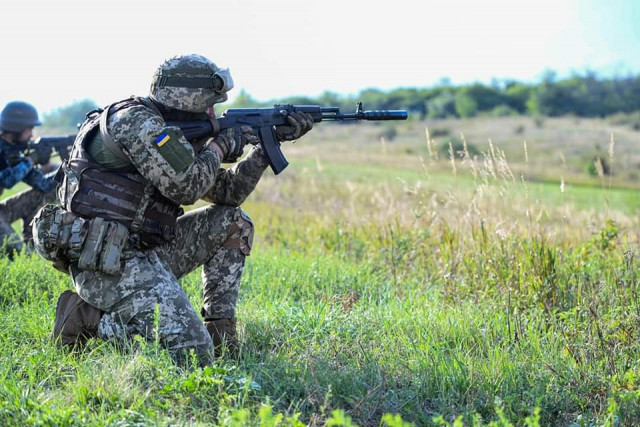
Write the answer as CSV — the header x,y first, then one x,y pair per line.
x,y
299,124
40,156
232,141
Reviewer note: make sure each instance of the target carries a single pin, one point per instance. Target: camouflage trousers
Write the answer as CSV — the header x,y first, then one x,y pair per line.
x,y
24,206
146,299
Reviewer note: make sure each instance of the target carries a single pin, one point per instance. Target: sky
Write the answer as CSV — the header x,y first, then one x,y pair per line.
x,y
56,52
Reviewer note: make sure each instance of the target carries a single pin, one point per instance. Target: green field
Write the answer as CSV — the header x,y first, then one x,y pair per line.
x,y
388,287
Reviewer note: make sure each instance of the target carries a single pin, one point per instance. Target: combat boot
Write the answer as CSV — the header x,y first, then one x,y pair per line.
x,y
224,336
76,321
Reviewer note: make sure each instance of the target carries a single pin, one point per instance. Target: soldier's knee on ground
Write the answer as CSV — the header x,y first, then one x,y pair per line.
x,y
76,321
240,233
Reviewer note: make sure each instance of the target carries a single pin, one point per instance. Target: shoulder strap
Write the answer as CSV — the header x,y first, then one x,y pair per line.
x,y
106,138
147,102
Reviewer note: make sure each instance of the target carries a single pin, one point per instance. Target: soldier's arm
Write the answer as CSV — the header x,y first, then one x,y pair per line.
x,y
11,175
234,185
163,156
38,180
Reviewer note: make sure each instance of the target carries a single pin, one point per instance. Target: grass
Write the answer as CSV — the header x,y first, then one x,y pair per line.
x,y
383,289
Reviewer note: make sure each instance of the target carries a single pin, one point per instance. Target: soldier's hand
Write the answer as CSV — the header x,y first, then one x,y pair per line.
x,y
232,141
40,157
299,124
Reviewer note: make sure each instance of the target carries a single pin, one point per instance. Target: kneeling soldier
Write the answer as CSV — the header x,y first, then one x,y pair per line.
x,y
122,234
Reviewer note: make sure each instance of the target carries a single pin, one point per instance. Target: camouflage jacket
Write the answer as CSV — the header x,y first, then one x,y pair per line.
x,y
167,160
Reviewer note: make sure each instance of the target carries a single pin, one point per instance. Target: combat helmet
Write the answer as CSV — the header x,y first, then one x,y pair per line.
x,y
18,116
190,83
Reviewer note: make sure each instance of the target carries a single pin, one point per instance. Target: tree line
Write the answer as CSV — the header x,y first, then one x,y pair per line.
x,y
580,95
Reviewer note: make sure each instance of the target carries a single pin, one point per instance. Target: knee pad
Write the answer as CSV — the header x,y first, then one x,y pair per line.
x,y
240,235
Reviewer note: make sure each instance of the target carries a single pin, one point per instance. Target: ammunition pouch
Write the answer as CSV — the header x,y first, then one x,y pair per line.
x,y
64,238
123,198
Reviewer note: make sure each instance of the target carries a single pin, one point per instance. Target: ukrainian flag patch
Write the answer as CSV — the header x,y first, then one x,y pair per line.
x,y
162,139
174,149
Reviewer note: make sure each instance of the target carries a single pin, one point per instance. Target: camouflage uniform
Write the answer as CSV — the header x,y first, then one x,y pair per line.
x,y
130,170
216,237
25,204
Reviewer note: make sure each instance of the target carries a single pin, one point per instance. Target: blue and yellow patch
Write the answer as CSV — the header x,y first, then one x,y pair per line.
x,y
174,149
162,139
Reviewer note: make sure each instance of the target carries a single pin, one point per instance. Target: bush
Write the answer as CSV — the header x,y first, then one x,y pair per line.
x,y
503,110
442,106
437,132
465,105
632,120
538,121
458,150
389,133
596,162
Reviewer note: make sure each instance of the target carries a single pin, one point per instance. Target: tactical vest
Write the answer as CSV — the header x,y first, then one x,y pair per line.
x,y
89,190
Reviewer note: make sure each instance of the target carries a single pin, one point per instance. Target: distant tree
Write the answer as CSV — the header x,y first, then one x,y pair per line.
x,y
549,77
298,100
580,95
517,95
69,116
442,106
485,97
465,105
328,98
503,110
405,98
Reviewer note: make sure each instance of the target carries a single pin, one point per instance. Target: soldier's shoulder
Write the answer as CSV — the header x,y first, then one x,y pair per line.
x,y
134,113
132,118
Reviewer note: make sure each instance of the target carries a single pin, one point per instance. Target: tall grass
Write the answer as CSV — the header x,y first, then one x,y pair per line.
x,y
375,298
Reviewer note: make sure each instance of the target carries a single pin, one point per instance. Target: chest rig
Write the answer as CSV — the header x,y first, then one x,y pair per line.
x,y
90,190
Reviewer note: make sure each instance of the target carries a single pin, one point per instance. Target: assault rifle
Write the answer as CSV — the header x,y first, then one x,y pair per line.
x,y
39,150
45,145
263,120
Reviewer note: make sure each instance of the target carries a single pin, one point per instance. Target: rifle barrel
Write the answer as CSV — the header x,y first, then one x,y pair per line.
x,y
369,115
